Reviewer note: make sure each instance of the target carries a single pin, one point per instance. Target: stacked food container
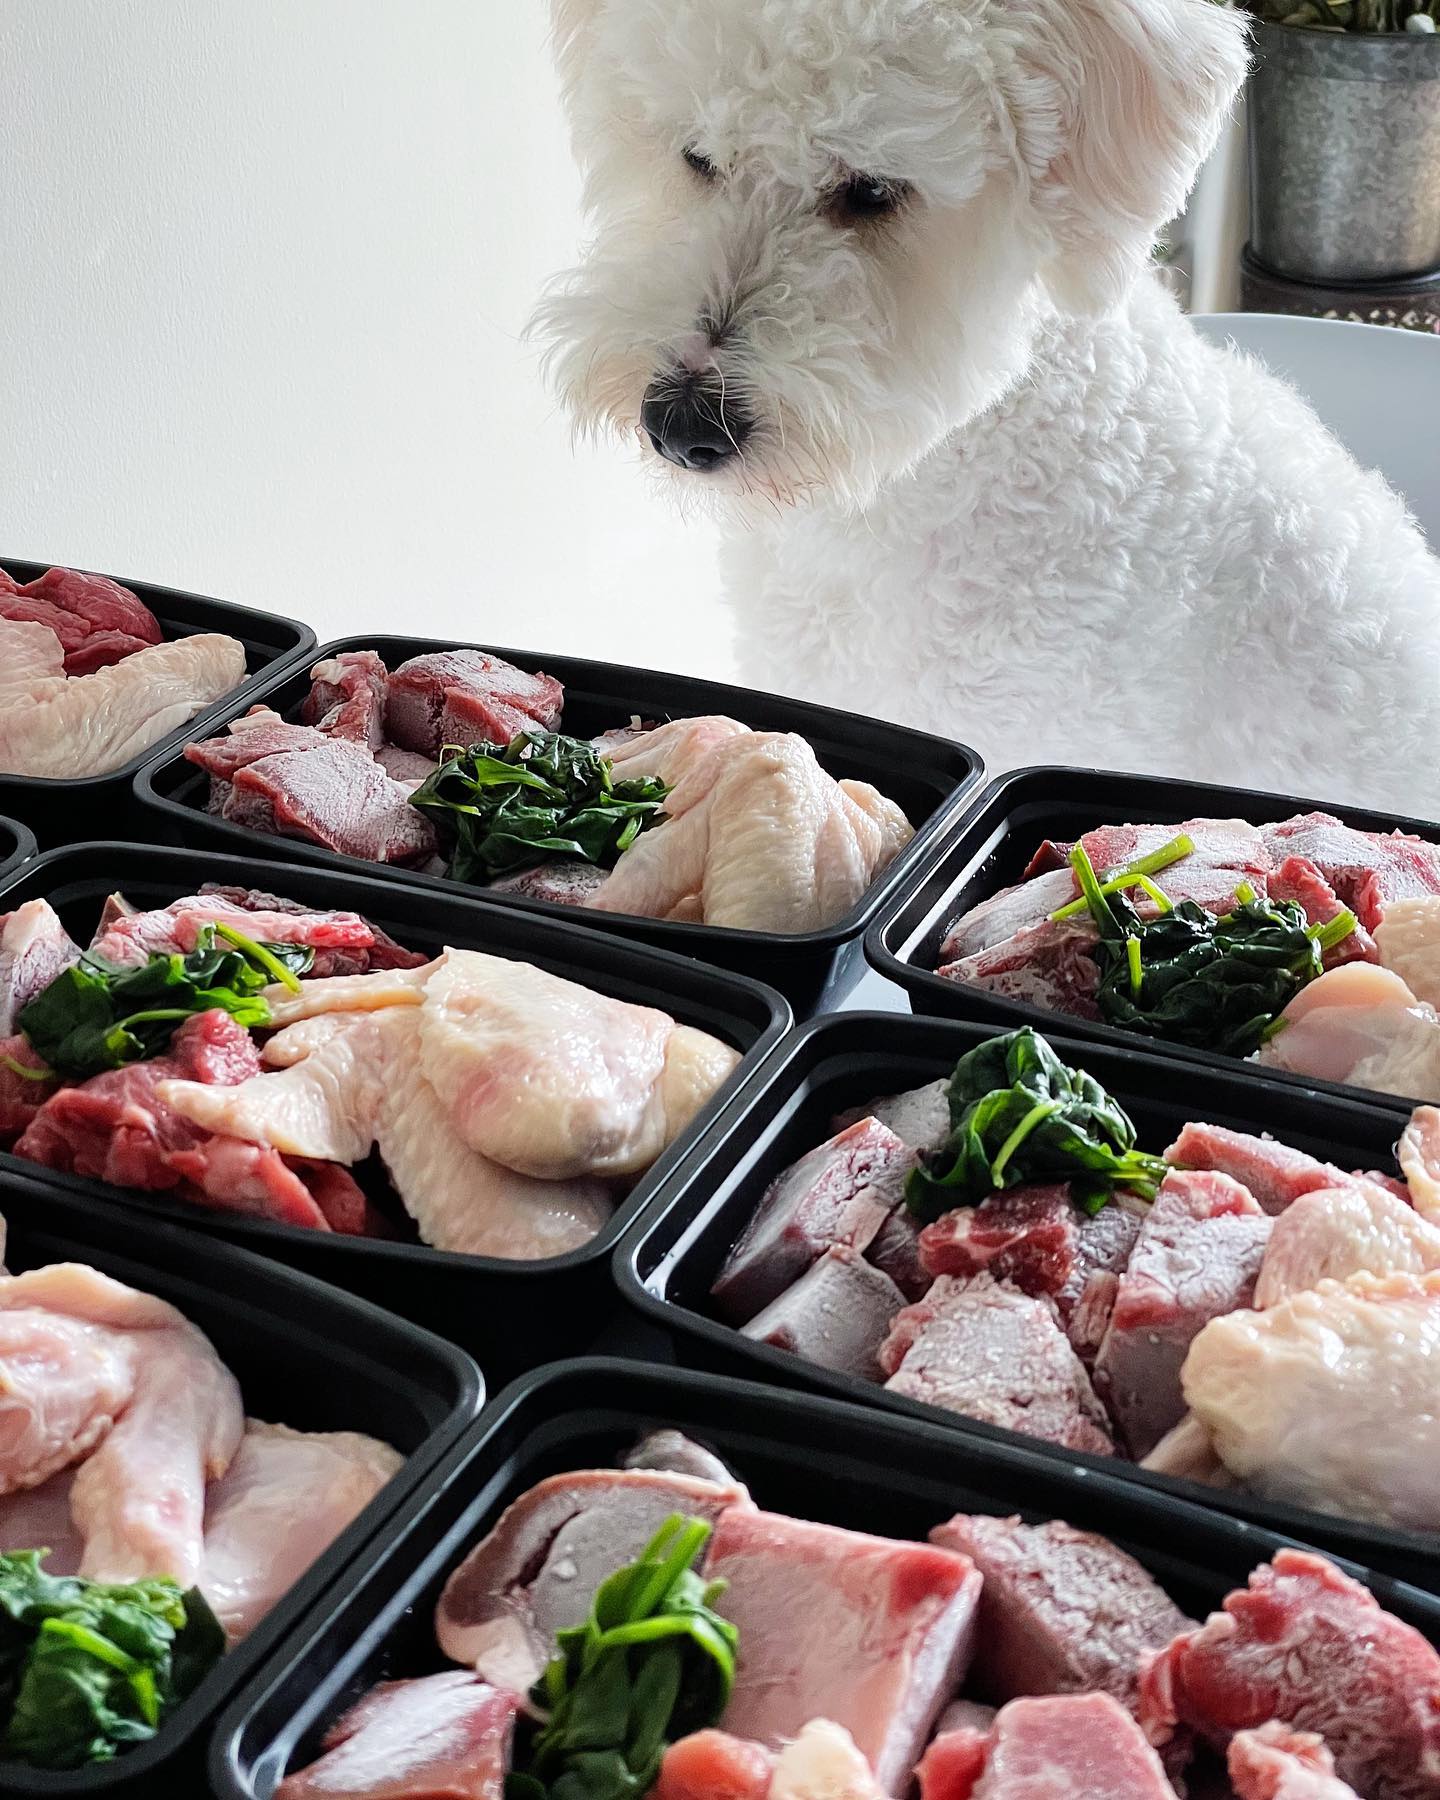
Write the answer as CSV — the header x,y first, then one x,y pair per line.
x,y
403,1119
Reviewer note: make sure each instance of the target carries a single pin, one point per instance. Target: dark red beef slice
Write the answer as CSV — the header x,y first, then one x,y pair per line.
x,y
836,1315
100,650
405,765
466,697
383,953
347,697
259,733
895,1249
829,1197
983,1349
997,919
1061,1610
1275,1173
1027,1235
336,795
920,1115
1048,965
561,883
1299,880
24,608
1366,869
1197,1258
103,604
1105,1242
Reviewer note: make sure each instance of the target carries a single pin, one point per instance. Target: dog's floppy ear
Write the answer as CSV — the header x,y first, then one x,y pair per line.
x,y
570,22
1116,103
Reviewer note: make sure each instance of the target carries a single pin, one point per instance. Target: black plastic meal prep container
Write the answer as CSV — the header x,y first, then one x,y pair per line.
x,y
17,845
513,1315
927,776
305,1355
61,812
988,847
672,1253
799,1454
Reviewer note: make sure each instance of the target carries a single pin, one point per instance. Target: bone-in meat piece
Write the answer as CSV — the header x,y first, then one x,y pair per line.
x,y
1419,1156
1309,1645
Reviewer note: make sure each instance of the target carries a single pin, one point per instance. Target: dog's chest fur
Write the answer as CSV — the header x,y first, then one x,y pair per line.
x,y
1138,559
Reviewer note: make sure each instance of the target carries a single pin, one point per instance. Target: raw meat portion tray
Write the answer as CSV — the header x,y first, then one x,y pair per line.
x,y
305,1355
674,1250
927,776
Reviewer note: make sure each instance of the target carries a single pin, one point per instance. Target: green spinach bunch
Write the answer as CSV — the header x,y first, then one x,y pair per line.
x,y
99,1015
541,797
1019,1114
652,1663
88,1668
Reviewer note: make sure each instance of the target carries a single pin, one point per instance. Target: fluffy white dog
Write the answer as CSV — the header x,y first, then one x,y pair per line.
x,y
876,274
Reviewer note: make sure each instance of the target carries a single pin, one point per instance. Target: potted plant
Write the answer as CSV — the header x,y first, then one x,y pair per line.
x,y
1344,110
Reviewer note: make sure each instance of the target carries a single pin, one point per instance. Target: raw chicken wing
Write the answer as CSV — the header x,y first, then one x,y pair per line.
x,y
1342,1231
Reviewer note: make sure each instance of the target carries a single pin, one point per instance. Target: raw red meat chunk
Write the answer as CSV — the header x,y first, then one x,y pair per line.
x,y
1067,1747
1366,869
20,1097
97,621
872,1633
1299,880
337,795
1274,1173
1013,909
984,1349
836,1315
466,697
1062,1611
1305,1644
840,1193
1198,1256
1276,1763
347,697
259,733
1028,1235
714,1765
443,1737
116,1129
561,883
1104,1243
1049,965
895,1249
921,1116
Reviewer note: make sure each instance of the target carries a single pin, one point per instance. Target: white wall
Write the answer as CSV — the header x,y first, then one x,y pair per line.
x,y
265,263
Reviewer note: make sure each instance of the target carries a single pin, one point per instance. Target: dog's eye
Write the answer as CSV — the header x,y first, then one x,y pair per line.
x,y
868,197
702,165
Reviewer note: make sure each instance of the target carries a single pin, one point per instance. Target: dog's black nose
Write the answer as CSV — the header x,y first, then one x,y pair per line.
x,y
691,424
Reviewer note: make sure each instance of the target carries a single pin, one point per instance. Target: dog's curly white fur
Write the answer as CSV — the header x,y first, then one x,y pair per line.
x,y
985,477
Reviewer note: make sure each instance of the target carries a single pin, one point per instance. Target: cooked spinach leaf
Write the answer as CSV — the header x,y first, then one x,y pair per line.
x,y
651,1663
1019,1114
88,1667
100,1015
542,797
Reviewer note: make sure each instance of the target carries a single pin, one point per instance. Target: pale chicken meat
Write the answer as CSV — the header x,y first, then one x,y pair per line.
x,y
1327,1398
259,1539
1360,1024
1343,1231
349,994
1419,1156
63,1381
60,726
757,835
1408,939
138,1498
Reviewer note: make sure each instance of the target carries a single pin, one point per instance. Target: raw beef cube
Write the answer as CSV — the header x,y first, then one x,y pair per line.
x,y
714,1765
561,883
34,948
1366,869
347,697
466,697
1048,965
258,733
1104,1243
1274,1173
1299,880
829,1197
921,1117
895,1248
336,795
1027,1235
1198,1257
100,650
1067,1747
1062,1611
20,1097
1306,1644
444,1737
103,604
872,1633
1276,1763
986,1350
996,920
836,1315
405,765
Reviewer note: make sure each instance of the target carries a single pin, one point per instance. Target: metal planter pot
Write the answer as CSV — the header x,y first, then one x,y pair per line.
x,y
1345,153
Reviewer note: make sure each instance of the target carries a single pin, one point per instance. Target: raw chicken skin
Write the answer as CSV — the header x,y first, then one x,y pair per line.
x,y
349,993
1419,1156
62,1383
283,1501
1343,1231
1328,1398
31,659
557,1081
758,836
1408,939
91,724
138,1499
1360,1024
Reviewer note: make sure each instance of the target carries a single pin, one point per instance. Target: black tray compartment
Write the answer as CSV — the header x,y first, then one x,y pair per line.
x,y
927,776
305,1355
513,1315
17,845
82,806
988,847
815,1458
672,1253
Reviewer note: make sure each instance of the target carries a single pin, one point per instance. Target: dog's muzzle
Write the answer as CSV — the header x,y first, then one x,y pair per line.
x,y
690,423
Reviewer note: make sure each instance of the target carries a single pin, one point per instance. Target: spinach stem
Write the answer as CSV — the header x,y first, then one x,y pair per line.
x,y
272,965
1334,931
1035,1117
25,1071
1132,875
1137,970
